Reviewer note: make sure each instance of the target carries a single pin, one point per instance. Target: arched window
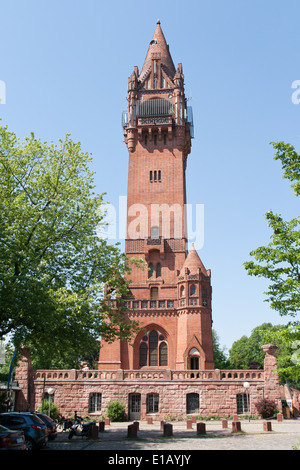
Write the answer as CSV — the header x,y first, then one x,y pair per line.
x,y
193,359
143,354
158,270
150,271
153,348
193,289
182,291
163,354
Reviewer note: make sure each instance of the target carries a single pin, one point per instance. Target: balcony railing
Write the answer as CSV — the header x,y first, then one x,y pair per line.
x,y
158,110
135,304
52,376
154,107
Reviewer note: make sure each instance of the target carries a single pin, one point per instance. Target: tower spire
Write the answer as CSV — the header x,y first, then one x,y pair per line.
x,y
158,47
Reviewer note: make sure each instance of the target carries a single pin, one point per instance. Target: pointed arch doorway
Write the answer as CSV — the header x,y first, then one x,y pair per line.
x,y
193,360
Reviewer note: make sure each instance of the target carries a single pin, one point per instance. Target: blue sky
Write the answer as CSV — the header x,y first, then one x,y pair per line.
x,y
65,65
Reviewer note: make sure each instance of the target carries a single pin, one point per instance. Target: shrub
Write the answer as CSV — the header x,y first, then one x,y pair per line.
x,y
44,408
266,408
116,411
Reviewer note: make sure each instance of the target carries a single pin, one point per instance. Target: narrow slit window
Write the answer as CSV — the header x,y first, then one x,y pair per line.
x,y
151,176
159,175
155,175
158,270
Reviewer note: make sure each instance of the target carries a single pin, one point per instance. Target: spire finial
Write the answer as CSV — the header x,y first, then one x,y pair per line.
x,y
158,22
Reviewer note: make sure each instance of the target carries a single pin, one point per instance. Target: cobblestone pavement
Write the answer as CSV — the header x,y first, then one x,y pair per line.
x,y
283,436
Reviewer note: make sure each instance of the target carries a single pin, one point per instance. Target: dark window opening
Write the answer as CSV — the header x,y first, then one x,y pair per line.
x,y
152,403
163,354
158,270
150,271
153,348
143,354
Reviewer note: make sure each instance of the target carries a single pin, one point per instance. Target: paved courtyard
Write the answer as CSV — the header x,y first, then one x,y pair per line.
x,y
283,436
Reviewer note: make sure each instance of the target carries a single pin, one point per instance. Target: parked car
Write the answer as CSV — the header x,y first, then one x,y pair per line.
x,y
51,425
35,430
11,440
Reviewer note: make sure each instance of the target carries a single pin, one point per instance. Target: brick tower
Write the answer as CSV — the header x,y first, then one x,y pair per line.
x,y
171,298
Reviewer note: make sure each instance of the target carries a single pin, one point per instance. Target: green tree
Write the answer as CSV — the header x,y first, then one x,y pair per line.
x,y
246,350
220,357
53,266
279,262
287,340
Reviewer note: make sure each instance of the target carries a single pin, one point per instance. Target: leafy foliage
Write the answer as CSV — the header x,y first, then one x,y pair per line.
x,y
279,261
44,408
53,266
221,361
246,350
116,411
266,408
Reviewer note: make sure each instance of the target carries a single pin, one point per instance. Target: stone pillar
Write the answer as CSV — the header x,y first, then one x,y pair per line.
x,y
132,430
189,424
168,429
23,377
224,424
236,426
271,385
201,428
101,426
267,426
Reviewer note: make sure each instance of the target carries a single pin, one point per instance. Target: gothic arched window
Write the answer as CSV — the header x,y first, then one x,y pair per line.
x,y
158,270
193,289
163,354
150,271
182,291
153,348
143,354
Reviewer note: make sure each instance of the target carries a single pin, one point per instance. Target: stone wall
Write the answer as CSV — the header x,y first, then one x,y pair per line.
x,y
217,390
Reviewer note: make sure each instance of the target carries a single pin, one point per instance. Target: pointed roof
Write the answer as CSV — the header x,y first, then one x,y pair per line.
x,y
158,44
193,263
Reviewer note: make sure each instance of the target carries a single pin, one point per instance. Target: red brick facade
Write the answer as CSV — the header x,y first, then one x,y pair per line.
x,y
168,369
171,298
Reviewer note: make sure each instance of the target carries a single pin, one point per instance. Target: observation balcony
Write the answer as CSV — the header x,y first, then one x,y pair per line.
x,y
158,111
